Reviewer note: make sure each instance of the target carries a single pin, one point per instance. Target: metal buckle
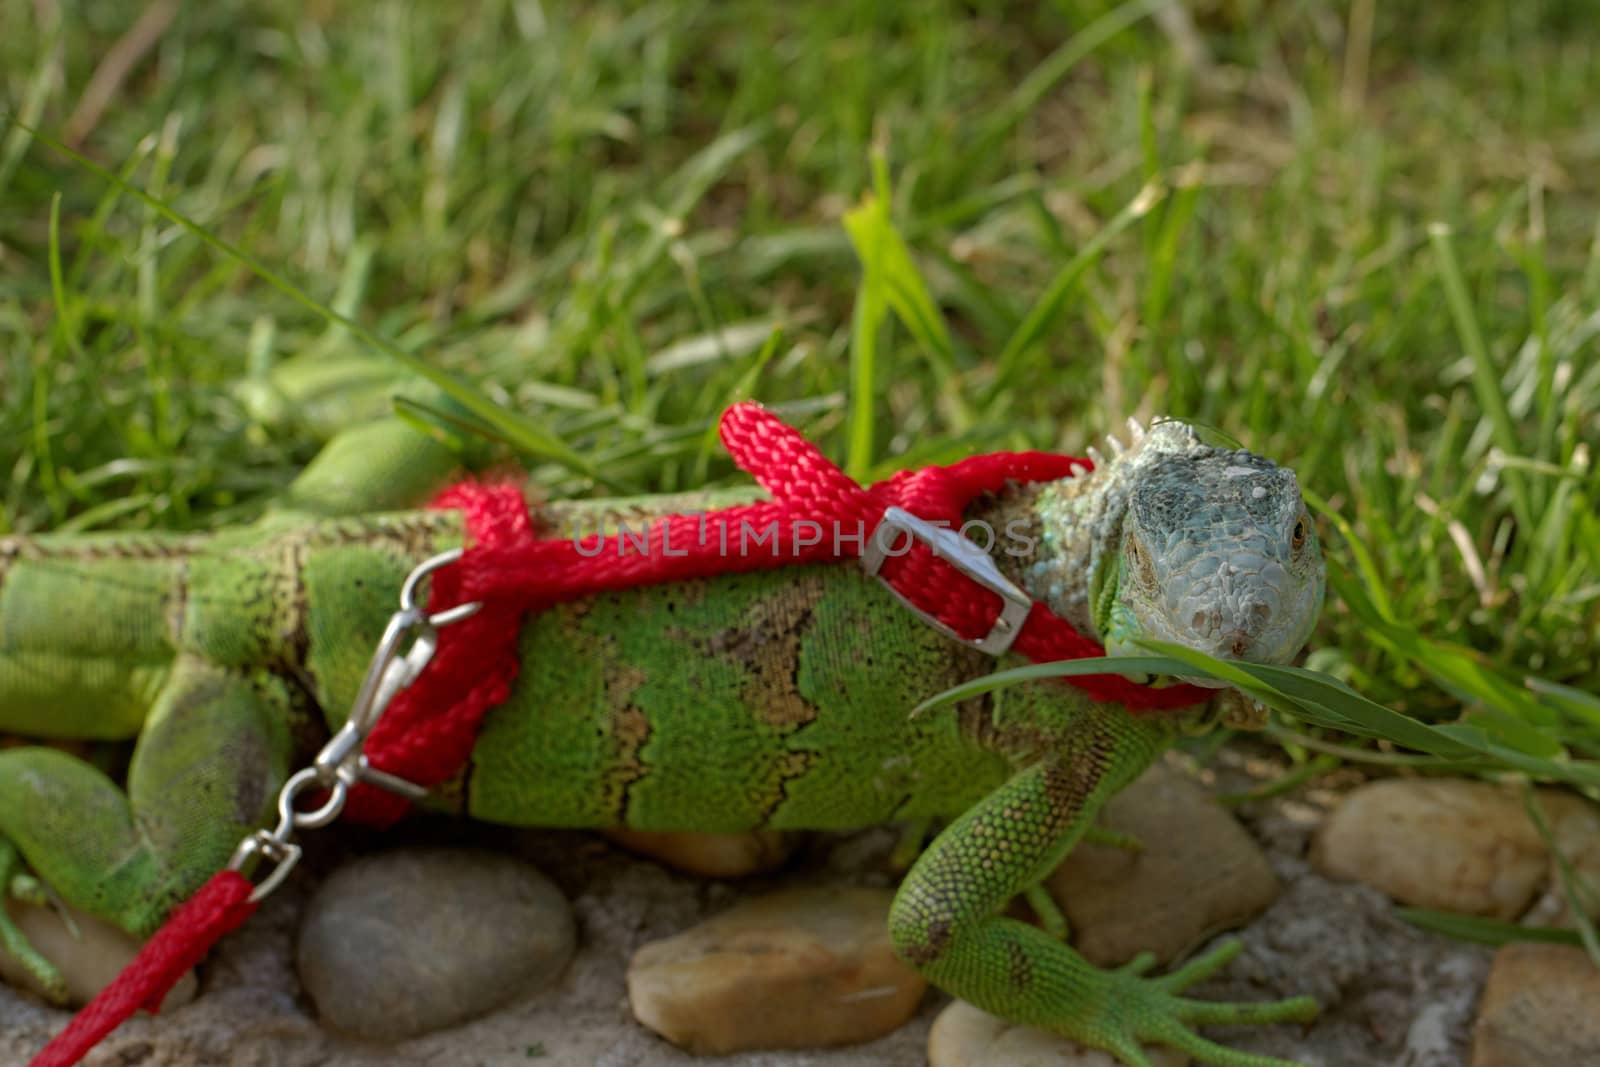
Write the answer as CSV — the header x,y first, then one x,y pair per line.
x,y
965,557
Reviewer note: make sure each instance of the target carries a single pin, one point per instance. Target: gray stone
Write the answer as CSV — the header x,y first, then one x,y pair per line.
x,y
1198,873
404,942
802,968
1456,844
1538,1008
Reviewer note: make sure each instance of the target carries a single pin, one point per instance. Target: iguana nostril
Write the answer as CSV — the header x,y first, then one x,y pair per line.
x,y
1205,620
1238,642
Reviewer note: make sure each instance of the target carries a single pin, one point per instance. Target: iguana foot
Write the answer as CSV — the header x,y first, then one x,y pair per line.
x,y
1101,835
913,839
1052,920
22,886
946,919
1142,1009
28,890
206,771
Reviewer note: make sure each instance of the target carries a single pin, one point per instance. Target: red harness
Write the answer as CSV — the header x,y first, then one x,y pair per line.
x,y
816,514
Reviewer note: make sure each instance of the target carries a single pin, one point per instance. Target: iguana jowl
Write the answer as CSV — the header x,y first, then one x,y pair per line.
x,y
774,699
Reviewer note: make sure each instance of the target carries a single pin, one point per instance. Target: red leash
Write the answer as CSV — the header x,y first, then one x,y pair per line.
x,y
815,514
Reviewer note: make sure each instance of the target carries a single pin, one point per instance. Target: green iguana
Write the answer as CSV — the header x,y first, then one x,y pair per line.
x,y
776,699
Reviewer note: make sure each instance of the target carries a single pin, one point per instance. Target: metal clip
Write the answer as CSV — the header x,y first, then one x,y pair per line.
x,y
965,557
341,764
283,854
277,845
388,673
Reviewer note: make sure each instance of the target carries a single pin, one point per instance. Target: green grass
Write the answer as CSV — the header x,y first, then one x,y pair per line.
x,y
919,231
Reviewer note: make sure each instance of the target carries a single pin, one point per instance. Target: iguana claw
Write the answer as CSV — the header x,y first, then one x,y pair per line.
x,y
24,887
1150,1010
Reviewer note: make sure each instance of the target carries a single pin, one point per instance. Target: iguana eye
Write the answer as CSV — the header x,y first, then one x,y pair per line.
x,y
1298,538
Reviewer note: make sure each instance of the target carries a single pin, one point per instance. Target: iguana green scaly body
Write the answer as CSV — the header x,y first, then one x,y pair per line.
x,y
776,699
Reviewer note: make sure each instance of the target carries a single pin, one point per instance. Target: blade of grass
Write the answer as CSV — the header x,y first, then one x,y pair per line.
x,y
742,389
1485,377
988,683
1182,378
1305,694
1284,783
1032,89
885,257
1574,702
67,334
1580,896
1046,310
866,332
1484,931
1371,579
33,101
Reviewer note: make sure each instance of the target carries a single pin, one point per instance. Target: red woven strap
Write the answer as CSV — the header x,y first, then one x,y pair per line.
x,y
428,730
810,493
220,906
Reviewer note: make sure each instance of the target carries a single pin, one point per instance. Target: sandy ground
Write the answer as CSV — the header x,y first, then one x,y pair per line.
x,y
1391,994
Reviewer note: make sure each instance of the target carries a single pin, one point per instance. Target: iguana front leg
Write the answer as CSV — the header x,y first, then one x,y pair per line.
x,y
944,919
206,771
384,465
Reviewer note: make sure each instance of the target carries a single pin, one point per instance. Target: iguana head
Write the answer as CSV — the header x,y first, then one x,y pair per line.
x,y
1212,549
